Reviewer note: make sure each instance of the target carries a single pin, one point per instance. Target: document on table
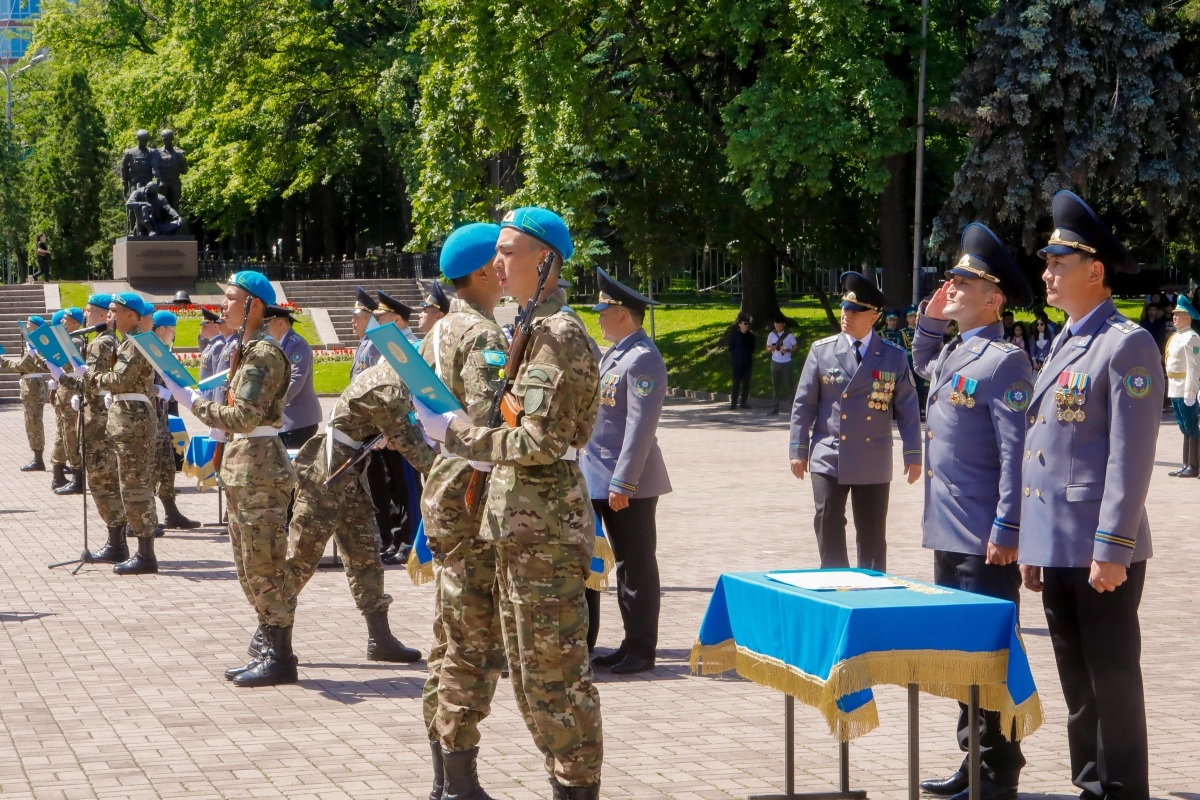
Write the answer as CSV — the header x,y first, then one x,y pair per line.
x,y
832,580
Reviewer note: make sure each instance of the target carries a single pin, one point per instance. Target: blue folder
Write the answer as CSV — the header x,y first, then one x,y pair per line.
x,y
167,365
54,344
420,379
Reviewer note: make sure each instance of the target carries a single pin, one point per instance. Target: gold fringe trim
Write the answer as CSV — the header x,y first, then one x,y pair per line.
x,y
598,581
420,573
897,668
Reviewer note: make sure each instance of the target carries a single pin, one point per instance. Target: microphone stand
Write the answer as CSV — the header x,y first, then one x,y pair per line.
x,y
86,556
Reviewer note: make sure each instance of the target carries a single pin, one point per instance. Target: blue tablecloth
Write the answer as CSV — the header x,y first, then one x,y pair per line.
x,y
198,462
828,648
179,434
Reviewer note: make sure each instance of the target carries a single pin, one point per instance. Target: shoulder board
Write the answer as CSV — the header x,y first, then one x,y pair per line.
x,y
826,340
890,343
1003,346
1122,324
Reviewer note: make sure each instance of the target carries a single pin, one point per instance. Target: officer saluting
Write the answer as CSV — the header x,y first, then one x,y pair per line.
x,y
625,471
1089,451
842,427
980,387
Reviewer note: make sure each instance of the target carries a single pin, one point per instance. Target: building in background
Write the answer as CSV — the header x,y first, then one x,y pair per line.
x,y
16,28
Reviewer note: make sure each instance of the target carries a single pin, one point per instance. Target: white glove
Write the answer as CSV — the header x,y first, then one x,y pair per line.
x,y
1189,400
482,466
54,370
76,402
435,425
216,434
108,401
163,392
432,444
184,395
52,385
29,349
80,370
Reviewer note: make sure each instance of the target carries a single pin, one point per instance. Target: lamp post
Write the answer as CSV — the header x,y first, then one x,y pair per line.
x,y
916,280
8,79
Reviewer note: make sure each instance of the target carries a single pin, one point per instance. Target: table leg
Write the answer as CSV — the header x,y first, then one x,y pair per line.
x,y
789,745
789,765
914,741
973,723
844,767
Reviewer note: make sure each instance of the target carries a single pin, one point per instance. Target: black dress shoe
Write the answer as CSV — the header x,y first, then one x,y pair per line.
x,y
989,791
611,659
631,664
945,787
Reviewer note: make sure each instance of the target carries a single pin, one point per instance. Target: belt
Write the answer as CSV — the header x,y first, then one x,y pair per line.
x,y
131,398
572,454
333,434
33,375
1177,375
261,430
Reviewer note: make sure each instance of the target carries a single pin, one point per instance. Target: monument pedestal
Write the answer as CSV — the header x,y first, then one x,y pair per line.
x,y
173,258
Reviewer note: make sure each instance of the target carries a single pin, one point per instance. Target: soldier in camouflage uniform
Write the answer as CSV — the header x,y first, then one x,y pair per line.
x,y
375,402
34,394
163,326
131,429
99,455
65,452
467,350
258,479
539,515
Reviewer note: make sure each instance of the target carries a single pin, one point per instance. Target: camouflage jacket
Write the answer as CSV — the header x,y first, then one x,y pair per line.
x,y
470,359
101,357
61,398
258,390
534,494
375,402
26,365
131,374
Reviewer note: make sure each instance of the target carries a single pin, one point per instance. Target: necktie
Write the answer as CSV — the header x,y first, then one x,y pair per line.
x,y
857,351
950,348
1062,340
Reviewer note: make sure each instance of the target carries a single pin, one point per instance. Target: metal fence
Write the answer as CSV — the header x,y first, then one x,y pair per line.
x,y
423,266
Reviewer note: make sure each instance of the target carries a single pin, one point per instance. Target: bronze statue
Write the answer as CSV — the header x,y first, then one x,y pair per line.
x,y
137,170
152,214
169,164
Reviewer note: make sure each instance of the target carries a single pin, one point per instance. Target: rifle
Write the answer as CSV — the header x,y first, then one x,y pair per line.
x,y
235,361
505,407
356,458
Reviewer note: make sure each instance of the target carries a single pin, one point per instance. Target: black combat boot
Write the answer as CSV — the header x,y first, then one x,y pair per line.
x,y
382,645
143,562
439,773
37,465
58,479
116,550
1187,458
173,518
462,779
75,486
560,792
254,650
278,665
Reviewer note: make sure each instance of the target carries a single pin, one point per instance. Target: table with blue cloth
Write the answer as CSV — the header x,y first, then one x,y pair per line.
x,y
827,648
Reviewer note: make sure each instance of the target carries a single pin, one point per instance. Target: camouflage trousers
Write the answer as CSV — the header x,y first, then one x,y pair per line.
x,y
468,645
133,435
102,474
33,398
545,620
66,435
164,464
258,535
347,515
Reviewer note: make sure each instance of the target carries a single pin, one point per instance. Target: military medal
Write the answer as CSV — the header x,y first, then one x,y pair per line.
x,y
883,385
1070,396
962,390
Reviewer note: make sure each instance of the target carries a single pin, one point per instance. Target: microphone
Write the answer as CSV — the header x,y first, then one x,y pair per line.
x,y
99,327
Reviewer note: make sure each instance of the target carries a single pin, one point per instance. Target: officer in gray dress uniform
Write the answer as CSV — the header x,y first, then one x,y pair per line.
x,y
851,385
625,472
979,389
1089,451
367,355
301,409
210,351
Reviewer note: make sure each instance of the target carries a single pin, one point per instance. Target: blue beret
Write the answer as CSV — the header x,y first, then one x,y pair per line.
x,y
57,317
468,249
543,225
256,284
101,300
75,314
163,319
1185,305
132,301
36,321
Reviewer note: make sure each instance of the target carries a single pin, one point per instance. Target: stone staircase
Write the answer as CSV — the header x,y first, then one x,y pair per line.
x,y
337,298
17,302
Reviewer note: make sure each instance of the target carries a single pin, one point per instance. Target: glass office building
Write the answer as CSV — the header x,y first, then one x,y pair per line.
x,y
16,27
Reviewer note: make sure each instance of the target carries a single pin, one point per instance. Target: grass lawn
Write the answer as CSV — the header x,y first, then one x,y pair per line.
x,y
187,332
74,294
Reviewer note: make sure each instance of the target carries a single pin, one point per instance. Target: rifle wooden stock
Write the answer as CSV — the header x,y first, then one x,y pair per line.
x,y
235,361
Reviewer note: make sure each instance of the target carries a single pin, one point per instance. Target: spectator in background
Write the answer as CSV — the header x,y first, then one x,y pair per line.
x,y
1007,319
1039,343
42,255
1155,321
742,344
951,332
1018,337
780,344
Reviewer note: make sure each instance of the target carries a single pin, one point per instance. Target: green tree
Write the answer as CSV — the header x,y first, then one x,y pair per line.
x,y
69,172
14,205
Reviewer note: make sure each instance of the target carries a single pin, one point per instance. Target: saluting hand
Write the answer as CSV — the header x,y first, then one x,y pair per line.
x,y
1106,576
936,307
618,501
1000,555
799,467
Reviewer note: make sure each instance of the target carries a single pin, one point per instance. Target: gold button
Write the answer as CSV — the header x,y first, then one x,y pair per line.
x,y
929,433
1039,492
1039,453
843,416
843,437
933,399
868,417
1027,454
1043,419
1027,491
1032,420
929,473
868,438
845,395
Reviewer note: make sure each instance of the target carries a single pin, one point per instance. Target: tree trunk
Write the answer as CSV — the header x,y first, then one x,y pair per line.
x,y
328,225
287,230
895,253
759,301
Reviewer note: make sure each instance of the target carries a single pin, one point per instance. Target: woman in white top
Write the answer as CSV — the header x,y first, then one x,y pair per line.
x,y
1183,380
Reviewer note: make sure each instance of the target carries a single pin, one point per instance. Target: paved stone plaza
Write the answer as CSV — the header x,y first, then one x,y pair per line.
x,y
112,687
